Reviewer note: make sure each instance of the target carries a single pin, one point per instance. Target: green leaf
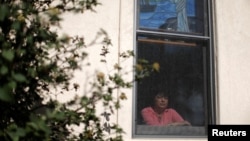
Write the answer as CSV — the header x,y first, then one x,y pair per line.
x,y
12,84
3,70
13,136
5,95
30,40
20,132
3,11
32,72
8,55
19,77
16,25
59,116
33,125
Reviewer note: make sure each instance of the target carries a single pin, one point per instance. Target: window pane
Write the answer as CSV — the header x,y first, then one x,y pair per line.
x,y
182,76
172,15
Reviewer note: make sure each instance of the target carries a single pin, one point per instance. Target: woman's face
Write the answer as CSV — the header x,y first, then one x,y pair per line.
x,y
161,102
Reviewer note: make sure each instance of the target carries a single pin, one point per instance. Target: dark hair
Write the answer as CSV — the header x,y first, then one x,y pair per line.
x,y
159,93
162,94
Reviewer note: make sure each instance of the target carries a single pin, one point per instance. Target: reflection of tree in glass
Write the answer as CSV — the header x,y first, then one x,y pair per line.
x,y
182,22
146,2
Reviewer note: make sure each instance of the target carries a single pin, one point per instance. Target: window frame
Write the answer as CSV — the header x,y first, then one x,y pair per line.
x,y
210,99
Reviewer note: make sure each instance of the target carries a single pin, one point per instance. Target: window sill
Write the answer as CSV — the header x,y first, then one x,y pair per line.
x,y
177,131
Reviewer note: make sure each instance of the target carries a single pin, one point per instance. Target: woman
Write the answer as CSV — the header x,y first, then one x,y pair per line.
x,y
160,115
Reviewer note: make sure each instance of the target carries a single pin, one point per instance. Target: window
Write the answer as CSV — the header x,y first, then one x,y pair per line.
x,y
177,35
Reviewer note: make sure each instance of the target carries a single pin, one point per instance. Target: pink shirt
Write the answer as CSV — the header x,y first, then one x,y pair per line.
x,y
168,116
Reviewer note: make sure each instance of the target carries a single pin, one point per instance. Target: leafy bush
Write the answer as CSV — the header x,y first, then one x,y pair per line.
x,y
35,61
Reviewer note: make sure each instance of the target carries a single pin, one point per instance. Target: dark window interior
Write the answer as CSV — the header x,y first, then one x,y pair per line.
x,y
182,75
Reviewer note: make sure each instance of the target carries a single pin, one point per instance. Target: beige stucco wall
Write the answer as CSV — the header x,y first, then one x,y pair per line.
x,y
233,51
232,38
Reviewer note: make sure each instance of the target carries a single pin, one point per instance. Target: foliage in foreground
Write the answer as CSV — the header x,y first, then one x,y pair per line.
x,y
35,61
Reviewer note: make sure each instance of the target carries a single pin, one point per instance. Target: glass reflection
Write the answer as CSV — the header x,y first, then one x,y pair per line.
x,y
171,15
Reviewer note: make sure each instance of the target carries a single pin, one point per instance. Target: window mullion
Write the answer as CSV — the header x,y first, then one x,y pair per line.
x,y
173,34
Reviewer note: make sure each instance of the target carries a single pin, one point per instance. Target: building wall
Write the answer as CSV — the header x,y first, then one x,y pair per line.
x,y
232,51
232,58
